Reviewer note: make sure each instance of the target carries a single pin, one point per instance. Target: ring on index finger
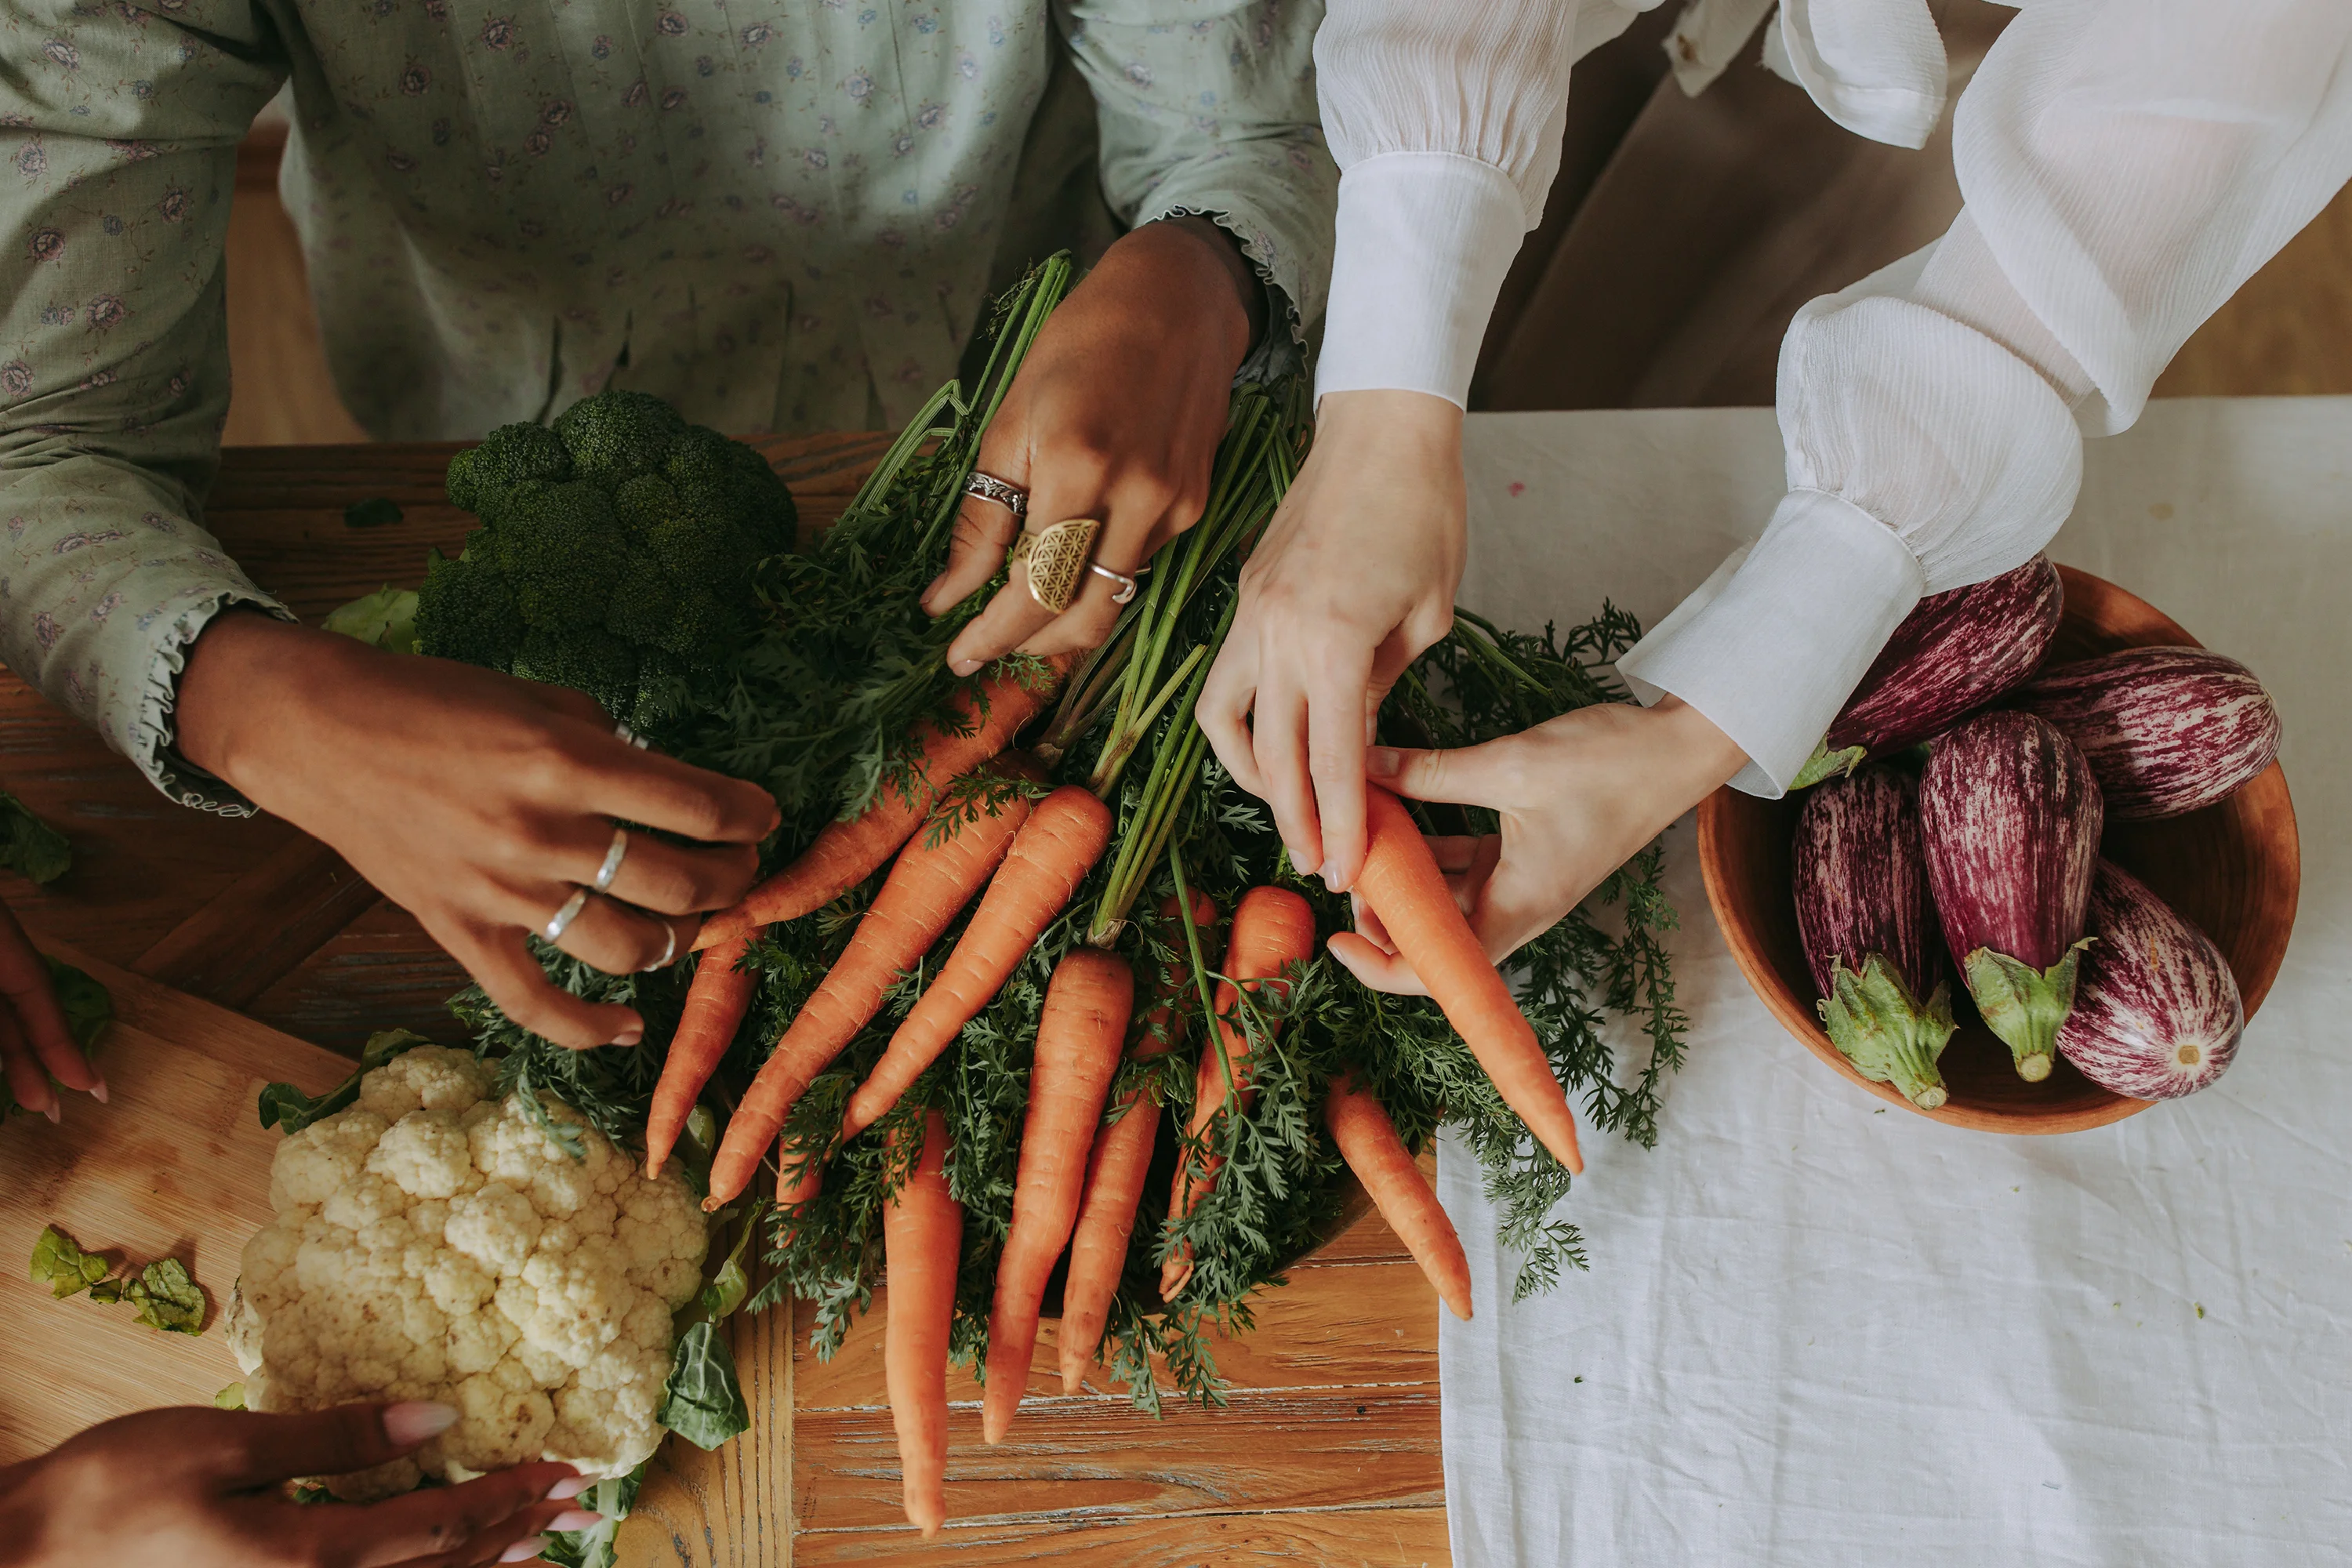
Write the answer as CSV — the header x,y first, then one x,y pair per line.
x,y
988,487
613,858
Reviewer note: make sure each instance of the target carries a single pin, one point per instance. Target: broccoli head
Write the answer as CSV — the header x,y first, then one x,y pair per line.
x,y
507,456
465,611
616,435
615,556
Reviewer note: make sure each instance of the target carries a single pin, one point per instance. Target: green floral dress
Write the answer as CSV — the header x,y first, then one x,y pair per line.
x,y
779,216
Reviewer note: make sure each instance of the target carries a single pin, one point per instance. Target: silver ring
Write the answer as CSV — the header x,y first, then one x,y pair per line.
x,y
613,858
560,922
988,487
1126,584
623,731
669,948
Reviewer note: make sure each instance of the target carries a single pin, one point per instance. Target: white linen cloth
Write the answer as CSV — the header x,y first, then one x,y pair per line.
x,y
2125,165
1825,1333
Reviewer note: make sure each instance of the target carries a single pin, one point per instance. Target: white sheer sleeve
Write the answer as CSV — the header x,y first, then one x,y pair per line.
x,y
1445,118
2126,164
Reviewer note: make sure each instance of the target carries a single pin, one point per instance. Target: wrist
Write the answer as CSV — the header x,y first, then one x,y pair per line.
x,y
1419,424
1220,246
232,690
1703,758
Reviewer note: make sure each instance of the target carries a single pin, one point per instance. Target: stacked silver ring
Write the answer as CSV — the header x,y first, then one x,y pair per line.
x,y
613,858
988,487
560,922
631,736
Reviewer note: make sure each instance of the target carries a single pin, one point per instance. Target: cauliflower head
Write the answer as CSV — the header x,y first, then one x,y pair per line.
x,y
430,1243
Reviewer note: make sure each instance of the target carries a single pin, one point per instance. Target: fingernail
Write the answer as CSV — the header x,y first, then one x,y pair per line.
x,y
1383,762
97,1091
962,666
53,1113
1332,883
630,1036
413,1421
567,1489
1303,865
525,1549
578,1519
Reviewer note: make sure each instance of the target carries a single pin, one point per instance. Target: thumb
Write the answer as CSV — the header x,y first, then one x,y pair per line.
x,y
255,1450
1475,775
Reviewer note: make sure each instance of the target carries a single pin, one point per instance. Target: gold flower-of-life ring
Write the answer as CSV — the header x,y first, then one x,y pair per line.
x,y
1057,558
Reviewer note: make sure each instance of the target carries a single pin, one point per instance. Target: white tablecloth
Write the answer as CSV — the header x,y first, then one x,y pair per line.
x,y
1819,1333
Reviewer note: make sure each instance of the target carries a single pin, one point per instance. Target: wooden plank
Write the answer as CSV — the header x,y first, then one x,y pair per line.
x,y
380,972
1329,1538
1268,1450
176,1164
262,926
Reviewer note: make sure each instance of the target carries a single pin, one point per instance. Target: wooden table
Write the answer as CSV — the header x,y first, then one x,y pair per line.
x,y
1329,1451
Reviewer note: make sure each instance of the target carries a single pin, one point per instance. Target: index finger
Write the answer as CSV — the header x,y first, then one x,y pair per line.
x,y
678,797
429,1522
25,978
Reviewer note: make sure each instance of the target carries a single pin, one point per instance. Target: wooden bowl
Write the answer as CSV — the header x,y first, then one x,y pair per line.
x,y
2231,869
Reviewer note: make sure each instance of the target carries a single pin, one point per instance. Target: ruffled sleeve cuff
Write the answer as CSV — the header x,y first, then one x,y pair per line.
x,y
1769,649
1423,240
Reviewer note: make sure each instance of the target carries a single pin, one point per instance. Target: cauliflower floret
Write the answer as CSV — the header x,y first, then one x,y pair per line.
x,y
426,1078
433,1243
426,1155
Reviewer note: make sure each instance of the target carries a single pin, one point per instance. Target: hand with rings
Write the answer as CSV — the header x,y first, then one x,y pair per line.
x,y
1101,450
483,804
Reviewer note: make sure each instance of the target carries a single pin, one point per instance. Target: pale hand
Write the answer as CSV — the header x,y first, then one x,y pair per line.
x,y
1114,415
193,1488
35,1043
1578,796
475,801
1354,578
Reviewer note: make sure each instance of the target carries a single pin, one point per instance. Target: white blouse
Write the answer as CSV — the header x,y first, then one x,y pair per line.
x,y
2125,165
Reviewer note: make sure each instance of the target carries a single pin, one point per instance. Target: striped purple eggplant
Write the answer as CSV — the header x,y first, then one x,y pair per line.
x,y
2166,730
1868,922
1953,654
2156,1012
2010,817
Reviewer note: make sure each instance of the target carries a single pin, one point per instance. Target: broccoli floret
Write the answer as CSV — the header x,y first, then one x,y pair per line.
x,y
465,611
702,550
644,504
616,435
717,478
507,456
603,666
560,547
661,689
643,608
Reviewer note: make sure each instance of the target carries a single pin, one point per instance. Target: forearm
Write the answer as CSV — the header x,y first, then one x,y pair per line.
x,y
1933,412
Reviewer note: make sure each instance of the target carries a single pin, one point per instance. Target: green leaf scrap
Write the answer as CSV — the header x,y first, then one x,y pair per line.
x,y
167,1298
702,1401
376,511
30,846
385,619
64,1267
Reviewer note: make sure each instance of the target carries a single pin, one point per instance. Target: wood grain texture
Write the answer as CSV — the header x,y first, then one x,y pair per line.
x,y
262,926
1332,1417
2234,870
176,1164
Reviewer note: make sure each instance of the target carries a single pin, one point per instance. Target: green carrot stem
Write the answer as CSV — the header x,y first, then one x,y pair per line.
x,y
1115,756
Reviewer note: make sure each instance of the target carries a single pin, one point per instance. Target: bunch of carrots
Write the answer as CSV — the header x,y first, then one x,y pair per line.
x,y
1081,1173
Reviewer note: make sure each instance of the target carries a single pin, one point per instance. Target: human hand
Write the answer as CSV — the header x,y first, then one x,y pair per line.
x,y
1578,796
1354,578
35,1044
201,1488
475,801
1116,415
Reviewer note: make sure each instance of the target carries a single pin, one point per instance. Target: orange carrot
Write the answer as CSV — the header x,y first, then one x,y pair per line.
x,y
1368,1140
1078,1035
845,853
1401,883
922,1247
1050,856
1122,1157
715,1005
1273,928
922,894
